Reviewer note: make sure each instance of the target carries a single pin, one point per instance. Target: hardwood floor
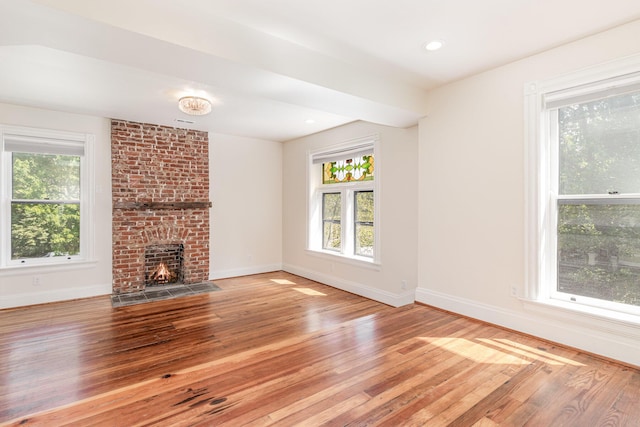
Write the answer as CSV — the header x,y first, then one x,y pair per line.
x,y
277,349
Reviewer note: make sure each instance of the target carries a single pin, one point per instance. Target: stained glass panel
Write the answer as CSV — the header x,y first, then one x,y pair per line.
x,y
348,170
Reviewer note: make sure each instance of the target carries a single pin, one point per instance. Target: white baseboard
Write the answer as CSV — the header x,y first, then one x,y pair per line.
x,y
606,338
245,271
394,300
31,298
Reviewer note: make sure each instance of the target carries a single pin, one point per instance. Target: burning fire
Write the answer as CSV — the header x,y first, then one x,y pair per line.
x,y
162,274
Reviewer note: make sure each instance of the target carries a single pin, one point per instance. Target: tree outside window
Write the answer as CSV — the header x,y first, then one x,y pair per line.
x,y
331,221
45,205
598,202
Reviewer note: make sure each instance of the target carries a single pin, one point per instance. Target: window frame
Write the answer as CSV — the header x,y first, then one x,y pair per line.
x,y
541,180
316,190
39,139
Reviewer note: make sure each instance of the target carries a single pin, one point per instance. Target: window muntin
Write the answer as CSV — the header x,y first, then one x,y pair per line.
x,y
44,196
595,146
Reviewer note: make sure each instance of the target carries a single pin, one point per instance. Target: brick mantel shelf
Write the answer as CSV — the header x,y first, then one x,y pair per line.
x,y
161,205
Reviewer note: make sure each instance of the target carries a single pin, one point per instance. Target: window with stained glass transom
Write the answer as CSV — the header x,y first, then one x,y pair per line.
x,y
343,218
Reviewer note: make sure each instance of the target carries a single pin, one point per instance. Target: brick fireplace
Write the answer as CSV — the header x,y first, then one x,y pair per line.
x,y
160,186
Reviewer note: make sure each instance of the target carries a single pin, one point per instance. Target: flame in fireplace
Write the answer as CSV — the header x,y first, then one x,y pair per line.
x,y
162,274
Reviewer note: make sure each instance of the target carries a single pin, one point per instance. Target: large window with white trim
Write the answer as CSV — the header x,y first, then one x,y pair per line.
x,y
585,189
342,201
44,197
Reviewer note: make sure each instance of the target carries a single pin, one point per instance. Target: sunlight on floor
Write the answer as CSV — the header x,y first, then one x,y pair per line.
x,y
309,291
530,352
499,351
283,281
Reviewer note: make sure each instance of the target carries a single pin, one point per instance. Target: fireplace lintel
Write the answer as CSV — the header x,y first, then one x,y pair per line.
x,y
162,205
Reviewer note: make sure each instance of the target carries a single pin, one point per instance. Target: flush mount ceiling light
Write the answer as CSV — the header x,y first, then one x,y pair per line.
x,y
433,45
194,105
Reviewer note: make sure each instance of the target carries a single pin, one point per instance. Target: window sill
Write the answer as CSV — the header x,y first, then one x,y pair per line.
x,y
16,270
607,320
344,259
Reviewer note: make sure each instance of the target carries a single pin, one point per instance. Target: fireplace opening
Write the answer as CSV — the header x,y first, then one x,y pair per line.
x,y
163,264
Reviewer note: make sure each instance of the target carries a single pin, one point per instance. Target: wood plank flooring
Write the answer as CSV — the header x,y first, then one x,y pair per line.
x,y
277,349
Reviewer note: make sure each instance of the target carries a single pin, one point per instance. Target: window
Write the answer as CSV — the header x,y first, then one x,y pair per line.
x,y
363,223
331,218
343,219
585,219
45,193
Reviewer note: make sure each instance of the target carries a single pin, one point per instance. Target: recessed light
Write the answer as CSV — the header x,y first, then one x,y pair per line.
x,y
433,45
310,121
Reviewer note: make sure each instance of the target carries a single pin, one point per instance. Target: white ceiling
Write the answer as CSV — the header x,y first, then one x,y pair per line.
x,y
269,66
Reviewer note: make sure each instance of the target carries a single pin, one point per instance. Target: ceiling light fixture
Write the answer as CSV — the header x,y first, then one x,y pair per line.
x,y
194,105
433,45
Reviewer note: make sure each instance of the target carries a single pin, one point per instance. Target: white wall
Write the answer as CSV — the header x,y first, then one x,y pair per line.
x,y
65,282
246,217
397,162
472,199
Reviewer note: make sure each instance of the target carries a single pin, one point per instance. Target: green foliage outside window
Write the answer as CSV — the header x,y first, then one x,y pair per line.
x,y
599,236
600,146
331,217
364,223
45,206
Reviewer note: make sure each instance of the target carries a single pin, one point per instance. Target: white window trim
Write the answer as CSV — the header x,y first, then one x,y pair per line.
x,y
87,197
315,189
540,226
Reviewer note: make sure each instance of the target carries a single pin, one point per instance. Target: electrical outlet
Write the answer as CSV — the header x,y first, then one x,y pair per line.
x,y
36,281
404,285
514,291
